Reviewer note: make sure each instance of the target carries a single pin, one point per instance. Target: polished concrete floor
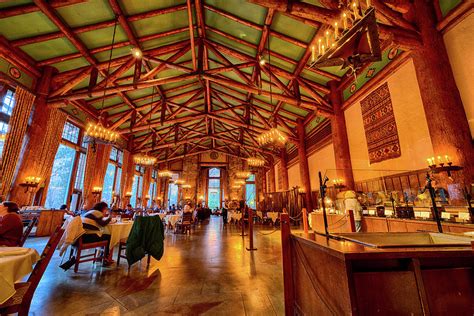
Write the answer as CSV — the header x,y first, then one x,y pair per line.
x,y
208,272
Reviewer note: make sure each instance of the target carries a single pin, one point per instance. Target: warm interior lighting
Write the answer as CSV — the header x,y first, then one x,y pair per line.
x,y
147,196
272,137
255,162
165,173
2,137
32,180
242,174
179,182
186,186
136,52
262,62
239,182
128,194
144,160
96,190
98,133
236,187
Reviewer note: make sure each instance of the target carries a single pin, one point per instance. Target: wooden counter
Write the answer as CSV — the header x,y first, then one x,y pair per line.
x,y
325,276
337,223
388,224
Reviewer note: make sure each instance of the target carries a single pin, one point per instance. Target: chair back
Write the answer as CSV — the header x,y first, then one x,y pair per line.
x,y
42,264
28,230
187,218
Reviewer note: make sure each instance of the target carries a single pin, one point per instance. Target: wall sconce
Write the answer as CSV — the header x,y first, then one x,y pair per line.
x,y
186,186
147,196
201,197
128,194
338,183
30,182
439,165
96,190
301,190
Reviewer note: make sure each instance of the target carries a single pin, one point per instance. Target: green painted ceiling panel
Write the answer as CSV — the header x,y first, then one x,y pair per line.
x,y
117,52
50,49
138,6
13,3
233,28
138,93
71,64
170,39
86,13
448,5
287,49
123,109
245,10
162,23
107,102
102,37
314,77
293,28
26,25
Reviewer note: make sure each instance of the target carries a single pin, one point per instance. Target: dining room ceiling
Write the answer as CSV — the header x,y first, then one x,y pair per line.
x,y
188,94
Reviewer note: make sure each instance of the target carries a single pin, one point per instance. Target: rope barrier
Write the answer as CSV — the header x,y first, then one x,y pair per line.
x,y
265,234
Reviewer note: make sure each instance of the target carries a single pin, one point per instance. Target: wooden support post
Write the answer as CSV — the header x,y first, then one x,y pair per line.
x,y
242,221
29,164
304,167
305,220
271,179
286,253
352,220
445,115
284,168
342,154
251,247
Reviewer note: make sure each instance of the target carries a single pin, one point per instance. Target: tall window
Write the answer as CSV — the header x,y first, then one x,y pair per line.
x,y
67,175
137,186
7,102
250,191
173,191
112,176
214,188
152,189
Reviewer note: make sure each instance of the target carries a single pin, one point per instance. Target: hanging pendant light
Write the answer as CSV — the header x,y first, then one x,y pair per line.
x,y
242,174
255,162
145,159
273,137
97,132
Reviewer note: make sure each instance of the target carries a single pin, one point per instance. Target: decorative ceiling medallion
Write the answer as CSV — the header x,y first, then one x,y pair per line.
x,y
214,155
353,88
392,53
370,72
14,72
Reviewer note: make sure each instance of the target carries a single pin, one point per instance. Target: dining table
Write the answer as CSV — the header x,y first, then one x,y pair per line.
x,y
235,216
118,231
15,263
273,216
171,220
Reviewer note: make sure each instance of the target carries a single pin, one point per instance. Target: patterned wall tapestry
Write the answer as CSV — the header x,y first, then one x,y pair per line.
x,y
380,126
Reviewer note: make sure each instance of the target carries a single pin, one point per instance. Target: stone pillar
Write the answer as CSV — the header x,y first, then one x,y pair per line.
x,y
284,168
35,136
340,142
304,168
445,115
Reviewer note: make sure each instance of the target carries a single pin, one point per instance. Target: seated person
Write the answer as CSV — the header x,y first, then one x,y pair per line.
x,y
11,225
94,222
187,208
64,208
129,211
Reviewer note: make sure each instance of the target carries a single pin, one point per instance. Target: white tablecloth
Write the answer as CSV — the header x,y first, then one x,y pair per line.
x,y
273,216
161,215
172,219
260,214
118,231
15,263
235,216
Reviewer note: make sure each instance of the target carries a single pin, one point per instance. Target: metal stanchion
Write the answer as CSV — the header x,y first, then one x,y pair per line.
x,y
305,220
251,247
243,222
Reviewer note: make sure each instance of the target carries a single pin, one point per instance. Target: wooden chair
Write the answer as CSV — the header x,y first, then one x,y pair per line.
x,y
80,246
123,246
185,224
20,302
27,231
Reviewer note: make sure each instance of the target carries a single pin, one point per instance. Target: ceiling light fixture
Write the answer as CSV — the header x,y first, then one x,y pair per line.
x,y
255,162
97,132
242,174
136,52
144,160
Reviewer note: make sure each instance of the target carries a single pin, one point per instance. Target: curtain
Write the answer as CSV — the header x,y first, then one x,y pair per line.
x,y
146,182
96,166
14,138
51,141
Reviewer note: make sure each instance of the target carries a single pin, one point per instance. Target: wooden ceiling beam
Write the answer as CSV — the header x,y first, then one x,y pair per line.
x,y
19,58
30,8
181,52
191,33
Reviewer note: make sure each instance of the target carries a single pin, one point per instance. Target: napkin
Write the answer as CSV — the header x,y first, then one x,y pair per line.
x,y
12,251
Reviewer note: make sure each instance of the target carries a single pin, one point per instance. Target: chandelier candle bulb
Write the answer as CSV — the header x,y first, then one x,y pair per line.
x,y
355,9
344,21
327,38
319,46
313,54
336,31
323,49
448,160
369,4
